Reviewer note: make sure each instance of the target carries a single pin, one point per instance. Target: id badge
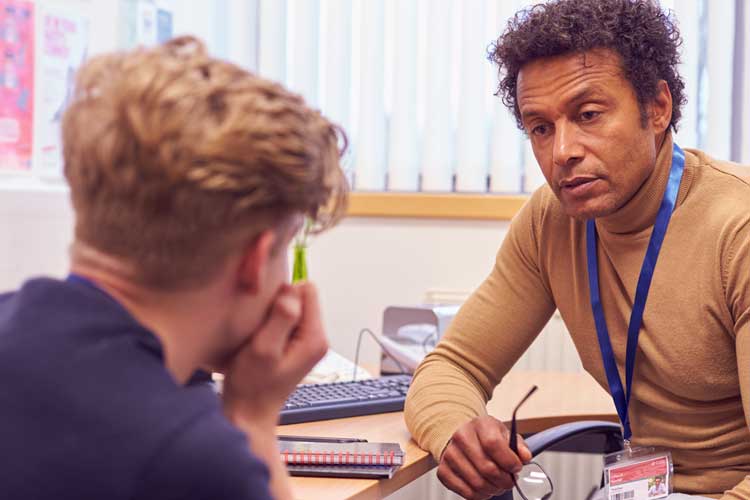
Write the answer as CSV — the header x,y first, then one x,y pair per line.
x,y
638,474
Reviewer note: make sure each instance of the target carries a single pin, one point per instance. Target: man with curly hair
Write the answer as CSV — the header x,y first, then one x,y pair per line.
x,y
189,177
594,85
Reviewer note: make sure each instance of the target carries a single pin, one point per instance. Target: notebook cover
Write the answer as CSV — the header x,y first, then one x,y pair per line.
x,y
350,471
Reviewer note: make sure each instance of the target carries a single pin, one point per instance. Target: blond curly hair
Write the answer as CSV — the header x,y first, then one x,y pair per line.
x,y
175,158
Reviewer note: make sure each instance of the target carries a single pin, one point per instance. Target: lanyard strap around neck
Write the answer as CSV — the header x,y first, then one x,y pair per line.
x,y
622,397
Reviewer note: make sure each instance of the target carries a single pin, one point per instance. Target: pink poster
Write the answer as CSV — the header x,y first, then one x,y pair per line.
x,y
16,83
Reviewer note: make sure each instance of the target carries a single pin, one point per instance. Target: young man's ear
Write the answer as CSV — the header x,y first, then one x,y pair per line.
x,y
254,260
661,108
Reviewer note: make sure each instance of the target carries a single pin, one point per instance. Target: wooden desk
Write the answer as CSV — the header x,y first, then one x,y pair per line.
x,y
561,398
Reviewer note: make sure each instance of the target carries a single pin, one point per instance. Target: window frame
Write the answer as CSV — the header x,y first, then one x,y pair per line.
x,y
466,206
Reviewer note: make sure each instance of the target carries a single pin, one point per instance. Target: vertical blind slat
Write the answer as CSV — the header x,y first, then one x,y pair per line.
x,y
241,29
506,141
437,159
220,27
719,65
403,152
687,13
303,42
336,58
272,40
471,164
370,154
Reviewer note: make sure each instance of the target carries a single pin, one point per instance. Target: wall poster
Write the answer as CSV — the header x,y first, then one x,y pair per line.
x,y
63,48
16,84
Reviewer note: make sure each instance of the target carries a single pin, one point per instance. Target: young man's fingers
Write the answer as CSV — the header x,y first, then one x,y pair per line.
x,y
310,321
283,317
309,295
309,341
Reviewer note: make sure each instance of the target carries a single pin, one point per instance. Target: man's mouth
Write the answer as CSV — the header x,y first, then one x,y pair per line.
x,y
574,182
580,186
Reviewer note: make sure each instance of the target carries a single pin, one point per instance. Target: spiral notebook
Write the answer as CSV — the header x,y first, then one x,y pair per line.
x,y
341,459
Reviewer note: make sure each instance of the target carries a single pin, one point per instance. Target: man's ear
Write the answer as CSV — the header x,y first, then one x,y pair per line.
x,y
661,108
254,260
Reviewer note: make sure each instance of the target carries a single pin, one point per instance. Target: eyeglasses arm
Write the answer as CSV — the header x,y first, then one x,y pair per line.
x,y
513,434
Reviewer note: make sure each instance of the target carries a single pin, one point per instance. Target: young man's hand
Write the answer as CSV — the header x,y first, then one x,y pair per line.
x,y
276,357
478,462
266,370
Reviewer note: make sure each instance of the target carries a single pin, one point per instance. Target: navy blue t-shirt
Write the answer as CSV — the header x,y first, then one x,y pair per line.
x,y
89,411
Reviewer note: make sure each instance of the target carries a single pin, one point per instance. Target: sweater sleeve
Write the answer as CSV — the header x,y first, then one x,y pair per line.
x,y
490,332
738,299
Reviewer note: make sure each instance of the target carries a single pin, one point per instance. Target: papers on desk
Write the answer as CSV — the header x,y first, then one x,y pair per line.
x,y
334,368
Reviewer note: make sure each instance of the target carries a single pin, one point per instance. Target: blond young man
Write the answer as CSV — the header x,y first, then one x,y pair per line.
x,y
188,176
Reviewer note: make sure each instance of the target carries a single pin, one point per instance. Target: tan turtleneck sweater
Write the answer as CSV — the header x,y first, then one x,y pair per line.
x,y
692,370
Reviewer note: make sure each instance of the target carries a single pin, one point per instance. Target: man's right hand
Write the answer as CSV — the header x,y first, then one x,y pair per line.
x,y
478,462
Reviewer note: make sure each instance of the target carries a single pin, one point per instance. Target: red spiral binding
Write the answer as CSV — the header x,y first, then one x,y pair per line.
x,y
333,457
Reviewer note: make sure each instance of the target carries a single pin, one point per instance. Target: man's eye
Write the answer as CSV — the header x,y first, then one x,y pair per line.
x,y
589,115
539,130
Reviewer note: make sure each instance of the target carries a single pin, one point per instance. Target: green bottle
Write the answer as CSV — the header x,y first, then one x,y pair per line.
x,y
299,270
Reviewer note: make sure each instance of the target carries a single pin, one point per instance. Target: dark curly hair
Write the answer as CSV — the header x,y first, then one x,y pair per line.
x,y
646,38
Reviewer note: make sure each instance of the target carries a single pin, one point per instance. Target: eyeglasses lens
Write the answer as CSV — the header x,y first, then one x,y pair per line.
x,y
534,483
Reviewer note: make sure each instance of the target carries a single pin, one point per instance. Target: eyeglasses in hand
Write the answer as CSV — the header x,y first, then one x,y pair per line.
x,y
532,483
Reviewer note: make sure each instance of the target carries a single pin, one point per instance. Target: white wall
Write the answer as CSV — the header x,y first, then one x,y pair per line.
x,y
364,265
36,227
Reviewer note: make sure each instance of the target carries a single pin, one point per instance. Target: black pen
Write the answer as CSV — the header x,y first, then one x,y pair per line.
x,y
319,439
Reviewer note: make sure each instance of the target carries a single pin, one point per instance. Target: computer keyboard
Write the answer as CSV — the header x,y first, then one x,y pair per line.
x,y
345,399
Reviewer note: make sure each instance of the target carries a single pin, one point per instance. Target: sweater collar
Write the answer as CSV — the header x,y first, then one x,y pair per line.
x,y
640,211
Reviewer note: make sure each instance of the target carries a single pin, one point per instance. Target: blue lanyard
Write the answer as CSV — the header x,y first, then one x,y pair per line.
x,y
620,397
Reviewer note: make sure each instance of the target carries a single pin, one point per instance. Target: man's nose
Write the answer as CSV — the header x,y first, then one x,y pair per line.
x,y
568,149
